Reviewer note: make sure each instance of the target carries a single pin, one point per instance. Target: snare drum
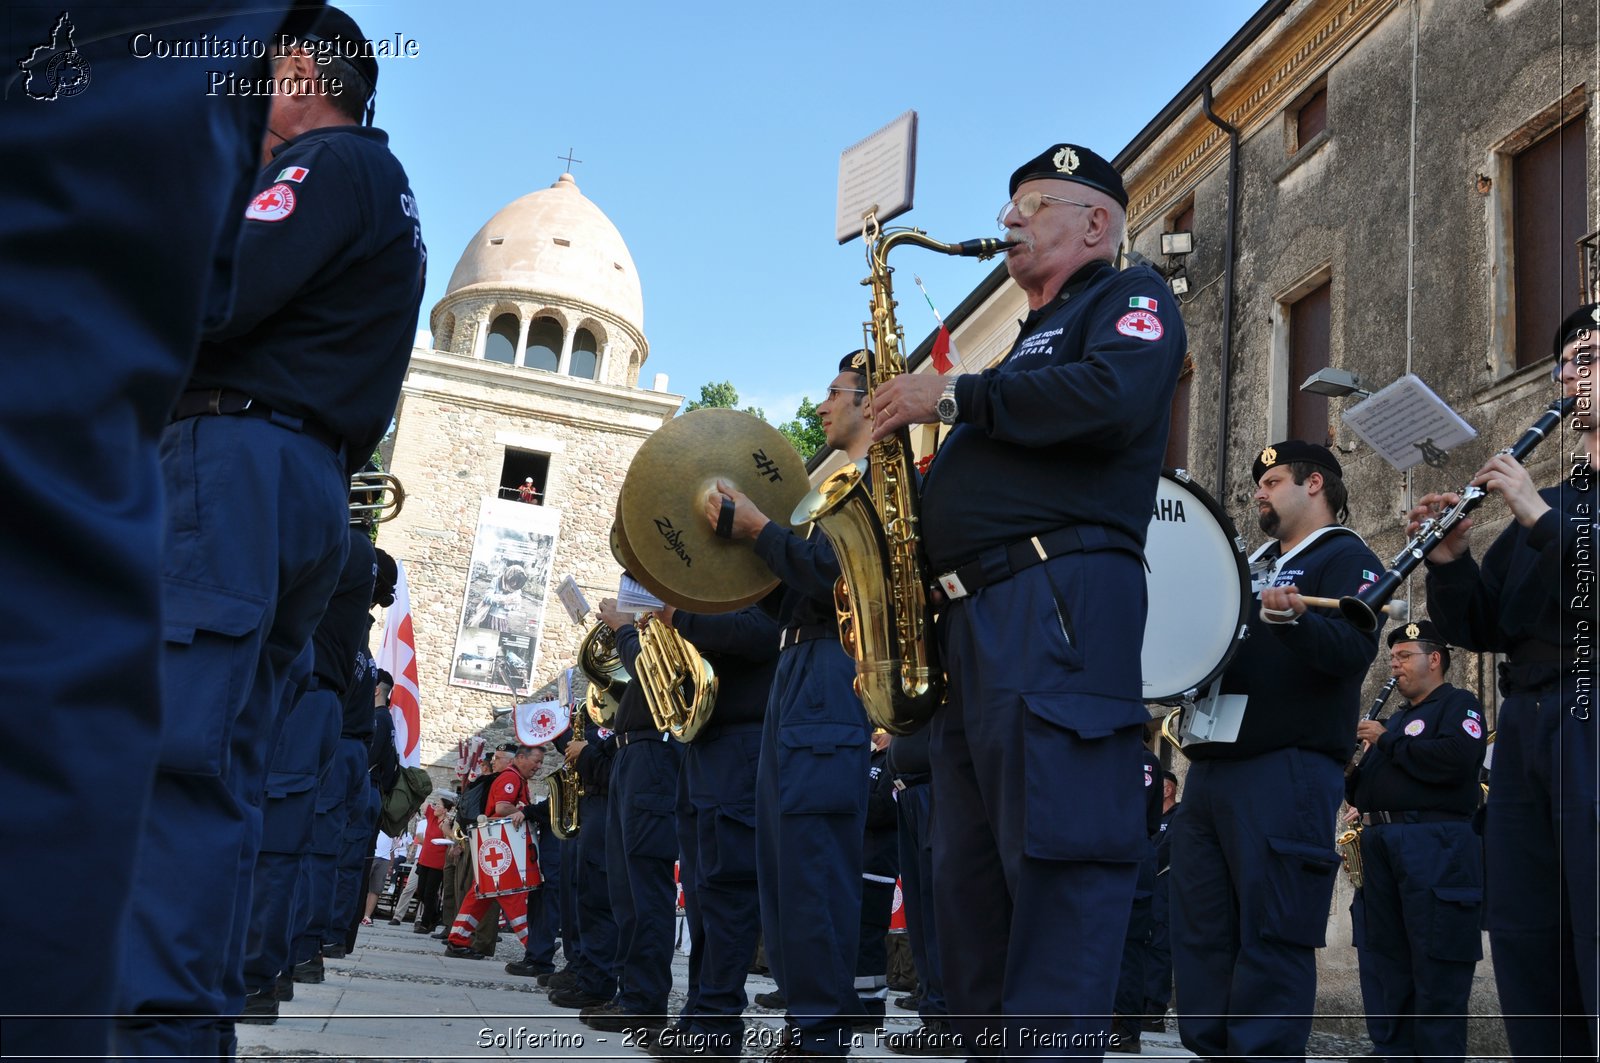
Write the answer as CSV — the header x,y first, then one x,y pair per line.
x,y
1199,591
504,860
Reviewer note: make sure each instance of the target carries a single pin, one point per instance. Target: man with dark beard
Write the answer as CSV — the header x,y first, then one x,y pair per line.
x,y
1252,842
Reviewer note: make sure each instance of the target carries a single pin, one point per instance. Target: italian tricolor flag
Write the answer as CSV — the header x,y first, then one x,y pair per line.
x,y
1139,302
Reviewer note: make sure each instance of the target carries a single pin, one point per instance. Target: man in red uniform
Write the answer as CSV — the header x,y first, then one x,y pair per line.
x,y
508,794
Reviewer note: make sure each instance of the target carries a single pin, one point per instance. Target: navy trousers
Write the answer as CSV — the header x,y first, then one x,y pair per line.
x,y
567,898
344,793
101,307
301,759
247,574
356,843
1129,1002
1421,900
544,904
1158,962
596,960
641,846
916,887
1252,845
811,810
1040,797
1543,864
717,866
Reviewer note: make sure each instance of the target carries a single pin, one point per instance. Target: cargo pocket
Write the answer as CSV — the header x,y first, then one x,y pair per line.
x,y
210,662
822,768
1453,932
729,855
1085,779
287,819
648,831
1299,889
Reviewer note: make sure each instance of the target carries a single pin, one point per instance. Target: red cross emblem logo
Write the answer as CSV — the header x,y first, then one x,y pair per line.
x,y
1140,324
272,204
494,856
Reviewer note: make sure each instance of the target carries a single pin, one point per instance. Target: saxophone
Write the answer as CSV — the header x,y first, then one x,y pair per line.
x,y
885,620
565,790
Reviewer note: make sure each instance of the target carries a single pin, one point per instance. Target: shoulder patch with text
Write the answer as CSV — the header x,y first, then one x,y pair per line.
x,y
1141,325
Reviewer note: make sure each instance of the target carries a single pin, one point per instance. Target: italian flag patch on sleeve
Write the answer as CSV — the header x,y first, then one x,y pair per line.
x,y
1139,302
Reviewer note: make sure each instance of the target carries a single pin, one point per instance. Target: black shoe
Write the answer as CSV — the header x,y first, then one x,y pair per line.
x,y
1125,1038
283,988
394,920
309,972
421,928
867,1023
335,952
442,932
610,1018
562,979
576,998
526,969
932,1038
909,1002
462,952
261,1007
774,1000
1154,1023
903,987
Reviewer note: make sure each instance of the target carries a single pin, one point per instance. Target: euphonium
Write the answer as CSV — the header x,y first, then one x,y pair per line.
x,y
565,790
602,666
885,622
679,685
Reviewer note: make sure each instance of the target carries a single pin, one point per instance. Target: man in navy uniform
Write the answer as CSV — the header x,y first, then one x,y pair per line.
x,y
590,976
716,821
1532,600
1252,843
285,401
1421,861
812,779
1034,515
1158,971
104,267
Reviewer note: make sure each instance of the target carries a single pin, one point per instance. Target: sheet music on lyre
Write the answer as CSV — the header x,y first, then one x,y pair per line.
x,y
633,598
877,173
1407,423
572,599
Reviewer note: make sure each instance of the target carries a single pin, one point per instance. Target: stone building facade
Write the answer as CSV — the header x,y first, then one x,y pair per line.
x,y
538,345
1410,184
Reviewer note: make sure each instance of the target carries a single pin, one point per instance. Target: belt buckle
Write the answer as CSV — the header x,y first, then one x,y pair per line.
x,y
953,587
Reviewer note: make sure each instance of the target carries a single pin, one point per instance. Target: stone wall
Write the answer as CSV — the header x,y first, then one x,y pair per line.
x,y
456,419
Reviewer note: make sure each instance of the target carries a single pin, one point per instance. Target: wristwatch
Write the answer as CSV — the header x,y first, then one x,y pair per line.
x,y
946,407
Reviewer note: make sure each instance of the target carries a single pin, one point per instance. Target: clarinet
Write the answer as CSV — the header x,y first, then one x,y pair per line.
x,y
1372,714
1362,609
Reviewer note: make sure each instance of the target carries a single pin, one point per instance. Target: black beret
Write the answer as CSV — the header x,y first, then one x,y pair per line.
x,y
1584,319
1290,451
858,361
1416,631
1169,775
506,747
350,44
1072,162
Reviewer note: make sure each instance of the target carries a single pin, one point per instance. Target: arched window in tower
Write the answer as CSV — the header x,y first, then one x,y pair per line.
x,y
501,343
585,355
544,344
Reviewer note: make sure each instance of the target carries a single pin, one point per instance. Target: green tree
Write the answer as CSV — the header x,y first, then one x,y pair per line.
x,y
721,396
805,431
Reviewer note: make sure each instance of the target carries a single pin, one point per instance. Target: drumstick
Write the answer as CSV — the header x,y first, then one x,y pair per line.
x,y
1397,610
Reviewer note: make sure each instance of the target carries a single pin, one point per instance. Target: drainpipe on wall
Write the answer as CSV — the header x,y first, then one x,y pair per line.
x,y
1226,354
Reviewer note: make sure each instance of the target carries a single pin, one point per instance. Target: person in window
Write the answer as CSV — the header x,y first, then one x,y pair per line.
x,y
527,492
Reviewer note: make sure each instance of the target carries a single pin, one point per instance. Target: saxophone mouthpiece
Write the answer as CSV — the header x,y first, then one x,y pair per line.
x,y
985,247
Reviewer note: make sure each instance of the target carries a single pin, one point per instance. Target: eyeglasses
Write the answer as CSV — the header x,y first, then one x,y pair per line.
x,y
1582,358
1028,205
1405,655
836,392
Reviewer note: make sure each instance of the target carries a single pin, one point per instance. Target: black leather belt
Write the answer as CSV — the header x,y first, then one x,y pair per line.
x,y
625,737
1000,563
1425,816
221,402
793,636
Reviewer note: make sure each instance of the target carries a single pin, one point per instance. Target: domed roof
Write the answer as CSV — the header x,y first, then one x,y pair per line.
x,y
554,242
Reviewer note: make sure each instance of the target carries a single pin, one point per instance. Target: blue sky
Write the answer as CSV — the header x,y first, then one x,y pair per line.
x,y
710,134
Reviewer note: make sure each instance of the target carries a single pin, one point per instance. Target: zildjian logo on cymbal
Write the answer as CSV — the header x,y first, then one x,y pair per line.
x,y
674,540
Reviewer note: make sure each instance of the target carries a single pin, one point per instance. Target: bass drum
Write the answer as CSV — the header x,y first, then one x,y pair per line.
x,y
1199,591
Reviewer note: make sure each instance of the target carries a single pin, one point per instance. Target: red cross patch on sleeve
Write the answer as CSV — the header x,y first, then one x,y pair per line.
x,y
271,204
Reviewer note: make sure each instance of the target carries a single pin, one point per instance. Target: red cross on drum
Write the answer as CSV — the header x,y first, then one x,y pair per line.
x,y
504,859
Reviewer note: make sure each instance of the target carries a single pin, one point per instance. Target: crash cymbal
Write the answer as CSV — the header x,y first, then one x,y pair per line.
x,y
664,527
630,564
